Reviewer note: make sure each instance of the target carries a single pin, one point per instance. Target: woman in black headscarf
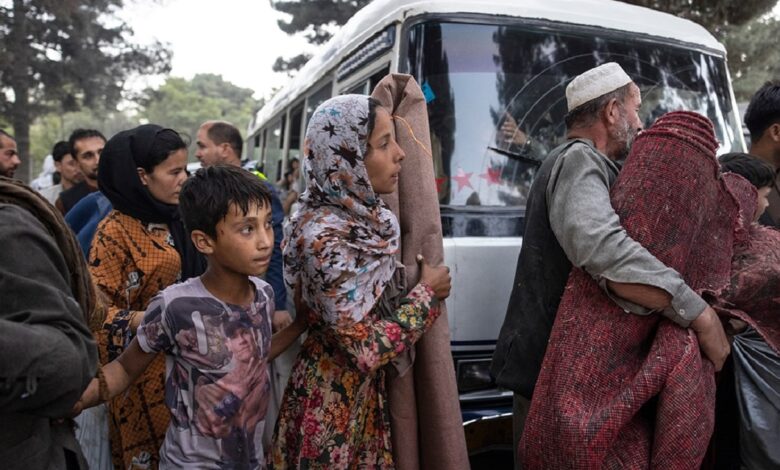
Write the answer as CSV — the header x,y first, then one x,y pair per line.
x,y
140,248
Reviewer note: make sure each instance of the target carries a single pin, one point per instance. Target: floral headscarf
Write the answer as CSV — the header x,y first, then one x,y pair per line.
x,y
342,242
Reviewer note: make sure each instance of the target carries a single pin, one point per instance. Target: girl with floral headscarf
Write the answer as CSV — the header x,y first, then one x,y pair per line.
x,y
340,253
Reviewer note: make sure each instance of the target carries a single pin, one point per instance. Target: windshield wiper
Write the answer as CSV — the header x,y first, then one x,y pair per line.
x,y
515,156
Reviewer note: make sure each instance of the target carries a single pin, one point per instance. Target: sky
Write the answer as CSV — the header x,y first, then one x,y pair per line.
x,y
238,39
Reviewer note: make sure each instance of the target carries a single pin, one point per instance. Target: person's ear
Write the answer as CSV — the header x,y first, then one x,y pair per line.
x,y
143,176
224,149
612,112
202,242
774,132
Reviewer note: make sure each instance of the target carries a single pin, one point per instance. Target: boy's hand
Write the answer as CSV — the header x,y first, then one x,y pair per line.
x,y
77,409
437,278
89,398
281,319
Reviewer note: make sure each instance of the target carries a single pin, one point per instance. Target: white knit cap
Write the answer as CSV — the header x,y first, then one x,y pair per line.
x,y
595,82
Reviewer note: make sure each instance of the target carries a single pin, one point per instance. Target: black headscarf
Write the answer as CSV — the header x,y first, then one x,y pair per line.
x,y
118,179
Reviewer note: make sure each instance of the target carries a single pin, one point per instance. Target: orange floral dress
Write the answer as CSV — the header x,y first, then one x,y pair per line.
x,y
131,262
334,413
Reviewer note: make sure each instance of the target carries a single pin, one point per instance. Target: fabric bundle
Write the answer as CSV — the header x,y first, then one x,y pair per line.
x,y
619,390
754,298
427,429
754,293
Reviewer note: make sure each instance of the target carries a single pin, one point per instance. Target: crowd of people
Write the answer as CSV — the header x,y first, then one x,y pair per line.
x,y
149,304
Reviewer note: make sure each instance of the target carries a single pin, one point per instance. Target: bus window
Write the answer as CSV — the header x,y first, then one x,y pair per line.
x,y
316,99
481,80
272,153
377,77
359,89
367,86
252,150
296,119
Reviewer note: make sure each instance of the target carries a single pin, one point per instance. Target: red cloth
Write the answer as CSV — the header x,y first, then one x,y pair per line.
x,y
619,390
754,293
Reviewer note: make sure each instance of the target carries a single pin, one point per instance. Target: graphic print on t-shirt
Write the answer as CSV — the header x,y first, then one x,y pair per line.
x,y
217,388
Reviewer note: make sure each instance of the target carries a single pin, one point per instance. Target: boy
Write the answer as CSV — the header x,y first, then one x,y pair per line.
x,y
215,330
759,173
747,419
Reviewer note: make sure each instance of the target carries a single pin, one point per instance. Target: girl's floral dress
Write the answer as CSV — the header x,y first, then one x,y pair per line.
x,y
335,413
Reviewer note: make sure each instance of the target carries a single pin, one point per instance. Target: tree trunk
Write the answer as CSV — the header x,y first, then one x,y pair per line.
x,y
21,122
20,83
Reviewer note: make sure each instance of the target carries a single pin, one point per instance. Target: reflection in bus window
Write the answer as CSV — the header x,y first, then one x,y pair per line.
x,y
272,153
496,101
377,77
296,118
319,97
359,89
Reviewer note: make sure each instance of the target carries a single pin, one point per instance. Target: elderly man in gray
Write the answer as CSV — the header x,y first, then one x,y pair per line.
x,y
570,222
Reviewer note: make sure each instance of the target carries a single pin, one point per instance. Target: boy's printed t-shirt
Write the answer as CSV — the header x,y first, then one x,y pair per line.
x,y
217,380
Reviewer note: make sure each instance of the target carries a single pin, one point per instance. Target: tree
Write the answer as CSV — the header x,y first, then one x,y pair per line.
x,y
315,19
50,128
712,14
744,26
184,105
60,56
753,55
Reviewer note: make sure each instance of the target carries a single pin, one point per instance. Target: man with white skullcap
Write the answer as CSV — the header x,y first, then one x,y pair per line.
x,y
569,221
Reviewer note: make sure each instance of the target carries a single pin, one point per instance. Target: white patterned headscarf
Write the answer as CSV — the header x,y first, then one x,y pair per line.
x,y
342,242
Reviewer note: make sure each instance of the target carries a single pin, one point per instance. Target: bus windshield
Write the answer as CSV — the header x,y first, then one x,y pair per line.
x,y
496,102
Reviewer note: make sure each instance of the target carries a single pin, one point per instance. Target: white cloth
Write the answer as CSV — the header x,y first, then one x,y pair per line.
x,y
595,82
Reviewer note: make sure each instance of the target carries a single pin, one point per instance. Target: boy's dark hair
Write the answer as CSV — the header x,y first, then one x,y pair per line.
x,y
763,110
586,114
758,172
80,134
206,197
59,151
221,132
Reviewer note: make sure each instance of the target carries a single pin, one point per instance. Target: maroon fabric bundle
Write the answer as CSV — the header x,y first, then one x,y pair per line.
x,y
619,390
754,293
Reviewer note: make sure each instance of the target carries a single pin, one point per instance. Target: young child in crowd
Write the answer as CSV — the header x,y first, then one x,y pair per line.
x,y
214,329
759,173
747,416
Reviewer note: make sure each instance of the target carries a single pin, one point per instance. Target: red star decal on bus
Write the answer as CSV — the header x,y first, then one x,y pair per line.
x,y
440,183
492,175
463,179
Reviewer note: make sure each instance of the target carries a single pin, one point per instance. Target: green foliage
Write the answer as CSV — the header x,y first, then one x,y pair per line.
x,y
313,18
290,65
745,28
64,55
50,128
184,105
712,14
753,55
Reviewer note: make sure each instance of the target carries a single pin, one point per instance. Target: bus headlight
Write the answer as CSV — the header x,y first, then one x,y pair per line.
x,y
474,374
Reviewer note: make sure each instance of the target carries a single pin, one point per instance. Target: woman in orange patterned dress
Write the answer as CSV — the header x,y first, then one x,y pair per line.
x,y
341,252
139,249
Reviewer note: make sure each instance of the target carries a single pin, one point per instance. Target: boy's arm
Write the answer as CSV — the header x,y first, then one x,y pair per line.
x,y
119,375
283,339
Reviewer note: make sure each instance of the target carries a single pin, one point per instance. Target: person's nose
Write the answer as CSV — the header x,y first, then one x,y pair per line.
x,y
265,239
16,160
400,154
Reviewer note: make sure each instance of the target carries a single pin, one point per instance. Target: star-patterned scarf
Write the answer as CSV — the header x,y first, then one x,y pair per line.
x,y
341,243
